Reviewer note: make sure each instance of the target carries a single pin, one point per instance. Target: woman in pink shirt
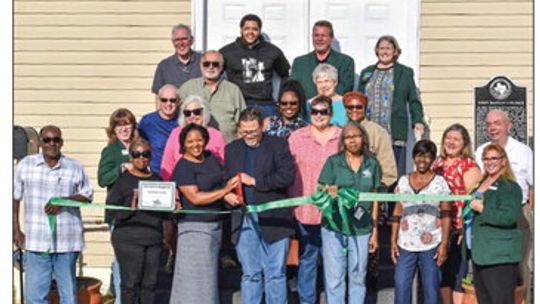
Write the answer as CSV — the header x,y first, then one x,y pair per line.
x,y
194,109
310,147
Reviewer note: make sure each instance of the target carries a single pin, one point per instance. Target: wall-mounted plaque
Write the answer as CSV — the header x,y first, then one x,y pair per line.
x,y
500,93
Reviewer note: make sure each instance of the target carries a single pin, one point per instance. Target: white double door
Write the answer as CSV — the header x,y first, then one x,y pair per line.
x,y
287,23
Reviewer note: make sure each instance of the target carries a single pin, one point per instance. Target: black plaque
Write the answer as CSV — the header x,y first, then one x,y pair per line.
x,y
501,93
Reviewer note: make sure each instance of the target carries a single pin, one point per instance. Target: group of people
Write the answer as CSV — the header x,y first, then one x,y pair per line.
x,y
213,135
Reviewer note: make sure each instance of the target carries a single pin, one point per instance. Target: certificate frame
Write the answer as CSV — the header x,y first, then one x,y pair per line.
x,y
156,196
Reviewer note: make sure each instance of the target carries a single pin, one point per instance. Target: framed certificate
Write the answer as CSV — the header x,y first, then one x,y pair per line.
x,y
156,195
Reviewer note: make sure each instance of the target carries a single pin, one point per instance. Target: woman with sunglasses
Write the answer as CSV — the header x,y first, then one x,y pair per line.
x,y
114,160
325,77
138,235
310,146
194,109
495,239
345,251
457,165
200,178
290,102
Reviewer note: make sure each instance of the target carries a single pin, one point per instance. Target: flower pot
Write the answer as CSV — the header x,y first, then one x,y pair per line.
x,y
87,291
470,295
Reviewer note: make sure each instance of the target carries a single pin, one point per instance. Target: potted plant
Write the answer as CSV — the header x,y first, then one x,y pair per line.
x,y
470,296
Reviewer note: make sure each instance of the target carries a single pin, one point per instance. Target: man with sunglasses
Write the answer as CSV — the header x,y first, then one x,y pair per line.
x,y
37,179
250,63
225,98
158,125
498,127
181,66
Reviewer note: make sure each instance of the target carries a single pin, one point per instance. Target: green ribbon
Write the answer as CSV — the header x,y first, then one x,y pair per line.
x,y
336,212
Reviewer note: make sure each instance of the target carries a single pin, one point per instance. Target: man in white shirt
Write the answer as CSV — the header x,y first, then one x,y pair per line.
x,y
498,126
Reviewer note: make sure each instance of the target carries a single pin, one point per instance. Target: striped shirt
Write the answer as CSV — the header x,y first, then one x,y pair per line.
x,y
35,183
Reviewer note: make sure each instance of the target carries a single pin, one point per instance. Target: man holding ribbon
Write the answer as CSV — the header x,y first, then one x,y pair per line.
x,y
50,249
265,166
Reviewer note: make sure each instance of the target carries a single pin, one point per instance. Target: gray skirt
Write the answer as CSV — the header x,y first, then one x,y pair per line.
x,y
196,270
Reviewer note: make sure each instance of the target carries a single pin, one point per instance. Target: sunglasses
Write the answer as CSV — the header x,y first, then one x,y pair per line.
x,y
323,112
137,154
288,103
214,64
172,100
56,139
195,112
354,107
491,158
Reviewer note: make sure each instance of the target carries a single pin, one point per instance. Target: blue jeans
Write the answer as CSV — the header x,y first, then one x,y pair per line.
x,y
115,280
344,256
40,270
310,248
259,260
267,109
430,273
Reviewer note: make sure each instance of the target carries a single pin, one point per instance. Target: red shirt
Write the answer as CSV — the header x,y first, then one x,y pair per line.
x,y
454,176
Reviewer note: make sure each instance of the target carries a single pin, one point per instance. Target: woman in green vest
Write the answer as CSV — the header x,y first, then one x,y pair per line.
x,y
493,235
392,96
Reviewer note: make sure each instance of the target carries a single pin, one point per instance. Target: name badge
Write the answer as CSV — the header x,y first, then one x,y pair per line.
x,y
492,188
156,195
125,152
366,173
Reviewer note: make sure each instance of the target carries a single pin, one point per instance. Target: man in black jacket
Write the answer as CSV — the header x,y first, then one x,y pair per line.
x,y
250,62
266,170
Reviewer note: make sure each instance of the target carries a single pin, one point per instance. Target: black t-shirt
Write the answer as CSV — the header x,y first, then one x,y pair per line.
x,y
208,176
138,227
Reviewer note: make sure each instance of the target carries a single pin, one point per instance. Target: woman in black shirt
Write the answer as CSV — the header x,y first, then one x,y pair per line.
x,y
200,179
137,235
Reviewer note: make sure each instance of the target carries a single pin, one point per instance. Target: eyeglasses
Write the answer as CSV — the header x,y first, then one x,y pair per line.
x,y
214,64
486,159
288,103
354,107
127,126
171,100
137,154
323,112
196,112
56,139
245,133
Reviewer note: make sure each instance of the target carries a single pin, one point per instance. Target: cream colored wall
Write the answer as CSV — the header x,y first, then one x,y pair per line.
x,y
463,44
77,61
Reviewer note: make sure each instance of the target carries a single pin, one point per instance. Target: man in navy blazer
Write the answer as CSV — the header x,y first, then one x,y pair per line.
x,y
262,239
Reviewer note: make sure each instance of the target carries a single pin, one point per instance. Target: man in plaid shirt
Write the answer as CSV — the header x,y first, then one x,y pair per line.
x,y
49,254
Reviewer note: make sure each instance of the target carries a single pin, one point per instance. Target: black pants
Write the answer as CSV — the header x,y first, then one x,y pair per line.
x,y
495,284
139,267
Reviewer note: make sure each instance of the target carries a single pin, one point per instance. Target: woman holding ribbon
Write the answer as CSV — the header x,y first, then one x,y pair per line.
x,y
290,102
309,147
420,228
350,232
138,235
200,179
194,109
495,240
456,164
